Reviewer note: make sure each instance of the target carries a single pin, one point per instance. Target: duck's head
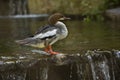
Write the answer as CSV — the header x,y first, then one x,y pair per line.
x,y
56,17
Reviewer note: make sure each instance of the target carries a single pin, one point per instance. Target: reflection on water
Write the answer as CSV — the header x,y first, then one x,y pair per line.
x,y
82,36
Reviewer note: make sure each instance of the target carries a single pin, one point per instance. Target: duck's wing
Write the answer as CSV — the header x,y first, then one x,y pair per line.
x,y
46,35
46,32
44,29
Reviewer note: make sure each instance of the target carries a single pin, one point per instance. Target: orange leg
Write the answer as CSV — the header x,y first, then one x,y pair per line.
x,y
49,50
46,50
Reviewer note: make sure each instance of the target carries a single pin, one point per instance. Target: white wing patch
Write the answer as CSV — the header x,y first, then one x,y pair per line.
x,y
47,34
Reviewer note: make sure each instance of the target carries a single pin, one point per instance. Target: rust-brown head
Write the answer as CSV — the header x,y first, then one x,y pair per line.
x,y
56,17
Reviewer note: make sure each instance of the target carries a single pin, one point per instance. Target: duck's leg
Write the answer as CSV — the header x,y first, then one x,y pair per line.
x,y
49,50
46,50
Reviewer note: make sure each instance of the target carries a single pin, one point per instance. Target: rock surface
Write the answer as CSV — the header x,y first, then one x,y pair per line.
x,y
113,14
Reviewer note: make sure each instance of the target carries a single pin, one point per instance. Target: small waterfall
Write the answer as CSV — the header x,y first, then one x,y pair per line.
x,y
14,75
38,72
99,67
44,73
18,7
104,70
71,67
93,65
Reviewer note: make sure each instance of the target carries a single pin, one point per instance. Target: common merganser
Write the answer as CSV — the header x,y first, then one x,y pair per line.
x,y
49,34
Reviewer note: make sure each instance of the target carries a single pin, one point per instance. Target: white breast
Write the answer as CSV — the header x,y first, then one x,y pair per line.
x,y
63,29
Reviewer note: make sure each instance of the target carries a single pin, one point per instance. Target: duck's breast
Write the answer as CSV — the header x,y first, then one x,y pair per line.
x,y
62,30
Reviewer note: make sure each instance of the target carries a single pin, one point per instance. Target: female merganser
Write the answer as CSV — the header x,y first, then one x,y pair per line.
x,y
49,34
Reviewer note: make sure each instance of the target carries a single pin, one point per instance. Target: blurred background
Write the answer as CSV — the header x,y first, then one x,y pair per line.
x,y
73,7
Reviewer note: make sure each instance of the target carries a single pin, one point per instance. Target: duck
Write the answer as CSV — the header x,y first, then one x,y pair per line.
x,y
49,34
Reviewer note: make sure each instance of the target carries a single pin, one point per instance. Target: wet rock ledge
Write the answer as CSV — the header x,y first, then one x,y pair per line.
x,y
93,65
113,14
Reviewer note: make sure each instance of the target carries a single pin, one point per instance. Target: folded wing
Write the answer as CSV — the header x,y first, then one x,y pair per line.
x,y
45,34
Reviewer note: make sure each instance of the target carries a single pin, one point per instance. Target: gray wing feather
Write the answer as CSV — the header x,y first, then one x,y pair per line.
x,y
29,41
44,29
47,33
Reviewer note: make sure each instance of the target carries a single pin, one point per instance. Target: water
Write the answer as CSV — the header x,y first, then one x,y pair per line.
x,y
77,63
82,36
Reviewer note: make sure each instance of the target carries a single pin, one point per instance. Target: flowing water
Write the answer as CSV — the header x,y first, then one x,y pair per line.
x,y
19,63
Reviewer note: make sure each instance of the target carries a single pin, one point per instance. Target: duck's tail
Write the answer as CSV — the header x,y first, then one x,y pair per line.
x,y
25,41
31,42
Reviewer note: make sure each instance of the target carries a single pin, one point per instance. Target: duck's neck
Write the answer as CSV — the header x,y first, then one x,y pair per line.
x,y
63,28
61,25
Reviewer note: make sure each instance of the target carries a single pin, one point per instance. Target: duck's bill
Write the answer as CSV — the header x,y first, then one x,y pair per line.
x,y
67,18
64,18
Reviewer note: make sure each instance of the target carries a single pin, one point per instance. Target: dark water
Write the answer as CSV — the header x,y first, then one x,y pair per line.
x,y
82,35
